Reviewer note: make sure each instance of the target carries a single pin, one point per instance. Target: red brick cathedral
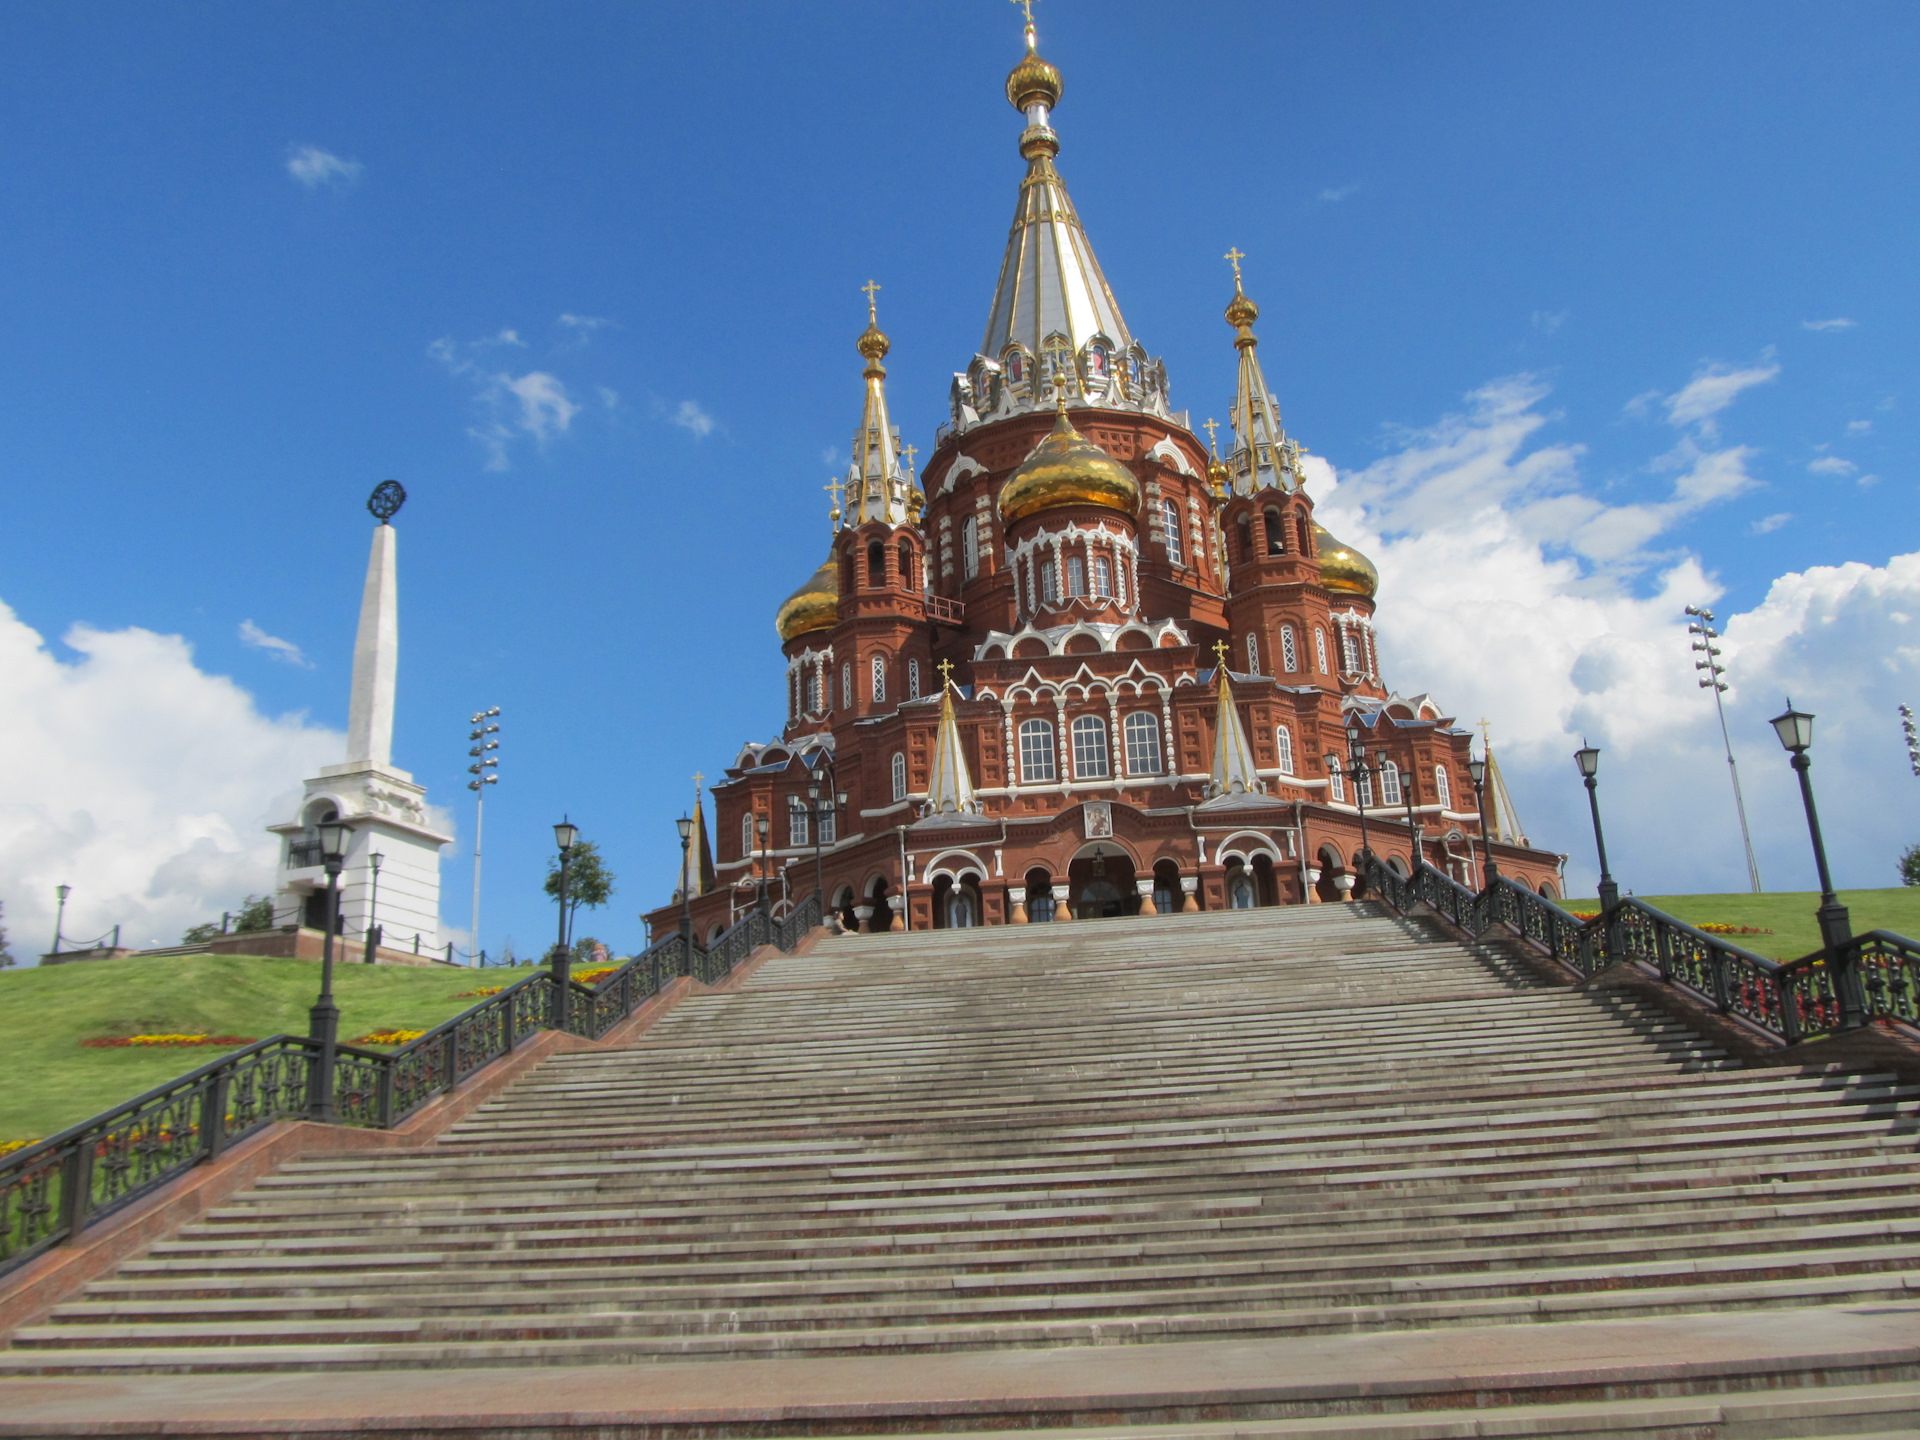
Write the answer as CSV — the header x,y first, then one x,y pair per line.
x,y
1079,665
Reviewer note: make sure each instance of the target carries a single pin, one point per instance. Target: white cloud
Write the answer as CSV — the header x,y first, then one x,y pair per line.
x,y
691,417
140,780
1840,323
314,167
584,324
284,651
1509,591
1548,321
1832,465
608,397
1767,524
511,407
1334,194
1713,388
545,409
1859,427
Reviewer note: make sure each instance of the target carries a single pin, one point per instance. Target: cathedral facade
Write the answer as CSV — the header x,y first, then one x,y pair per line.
x,y
1079,664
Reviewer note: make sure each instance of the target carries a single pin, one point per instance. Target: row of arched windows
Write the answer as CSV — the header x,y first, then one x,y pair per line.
x,y
1091,758
1273,537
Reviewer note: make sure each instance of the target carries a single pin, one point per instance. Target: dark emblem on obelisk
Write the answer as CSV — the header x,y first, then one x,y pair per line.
x,y
387,498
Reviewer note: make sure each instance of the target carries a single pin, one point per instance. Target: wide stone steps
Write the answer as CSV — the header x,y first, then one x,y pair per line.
x,y
1239,1128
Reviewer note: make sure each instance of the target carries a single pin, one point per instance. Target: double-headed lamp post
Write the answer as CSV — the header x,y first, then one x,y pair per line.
x,y
820,804
1795,729
1362,783
764,827
564,835
1587,757
323,1020
685,826
1489,867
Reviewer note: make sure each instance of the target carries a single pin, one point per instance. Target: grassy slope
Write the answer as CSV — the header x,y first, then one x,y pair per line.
x,y
49,1081
1789,916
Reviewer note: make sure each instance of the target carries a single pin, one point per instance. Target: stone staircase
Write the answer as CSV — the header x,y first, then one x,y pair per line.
x,y
1268,1126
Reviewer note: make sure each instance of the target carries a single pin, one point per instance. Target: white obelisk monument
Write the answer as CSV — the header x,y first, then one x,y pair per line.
x,y
400,892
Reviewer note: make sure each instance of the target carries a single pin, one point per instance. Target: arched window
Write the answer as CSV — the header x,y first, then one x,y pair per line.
x,y
1276,532
1320,648
913,679
793,694
1089,748
1036,752
1243,527
1363,785
879,679
797,823
970,547
1142,734
1336,782
827,820
1350,651
1289,652
1283,748
1102,575
746,836
813,690
1049,583
846,686
1442,791
876,563
1304,533
1253,653
1389,783
1170,523
899,776
906,563
1076,576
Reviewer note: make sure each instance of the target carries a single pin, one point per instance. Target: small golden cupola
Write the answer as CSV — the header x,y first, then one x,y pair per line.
x,y
1344,569
814,606
1066,468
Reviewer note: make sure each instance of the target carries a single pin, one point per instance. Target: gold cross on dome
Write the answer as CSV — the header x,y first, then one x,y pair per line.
x,y
871,287
834,487
1026,7
1236,255
945,667
910,453
1212,427
1220,648
1486,733
697,778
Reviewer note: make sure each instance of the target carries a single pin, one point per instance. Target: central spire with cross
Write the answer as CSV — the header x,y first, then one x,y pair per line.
x,y
876,487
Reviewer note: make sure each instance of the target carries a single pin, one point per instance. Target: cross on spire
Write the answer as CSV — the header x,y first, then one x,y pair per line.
x,y
1211,427
945,667
910,452
698,776
871,287
1220,648
1026,7
1236,255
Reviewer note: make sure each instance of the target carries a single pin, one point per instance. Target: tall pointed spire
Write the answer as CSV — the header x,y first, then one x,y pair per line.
x,y
950,787
1263,458
1054,324
1233,768
376,656
696,864
877,486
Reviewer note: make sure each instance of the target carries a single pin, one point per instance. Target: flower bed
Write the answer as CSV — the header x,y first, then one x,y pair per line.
x,y
478,994
108,1042
390,1037
595,975
1721,927
7,1147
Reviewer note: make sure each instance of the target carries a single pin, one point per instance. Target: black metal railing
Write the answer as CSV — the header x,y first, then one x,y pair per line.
x,y
303,853
54,1189
1874,976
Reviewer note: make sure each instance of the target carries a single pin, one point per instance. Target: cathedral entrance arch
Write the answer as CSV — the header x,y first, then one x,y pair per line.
x,y
1327,887
1166,887
1039,897
1242,894
1100,879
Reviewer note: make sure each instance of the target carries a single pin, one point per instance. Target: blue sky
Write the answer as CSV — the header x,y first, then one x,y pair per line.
x,y
258,257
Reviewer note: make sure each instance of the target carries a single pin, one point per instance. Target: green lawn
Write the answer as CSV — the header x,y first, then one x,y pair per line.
x,y
49,1081
1789,916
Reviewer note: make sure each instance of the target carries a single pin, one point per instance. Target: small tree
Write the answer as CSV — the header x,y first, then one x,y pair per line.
x,y
1910,865
256,913
6,955
589,882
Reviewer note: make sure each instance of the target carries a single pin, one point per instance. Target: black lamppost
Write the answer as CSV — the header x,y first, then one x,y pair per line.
x,y
1489,868
1587,757
1795,729
559,967
816,811
373,907
765,828
323,1020
60,915
1362,782
685,825
1413,825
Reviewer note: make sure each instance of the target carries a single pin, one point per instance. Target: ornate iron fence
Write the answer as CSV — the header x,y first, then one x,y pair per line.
x,y
1874,976
52,1190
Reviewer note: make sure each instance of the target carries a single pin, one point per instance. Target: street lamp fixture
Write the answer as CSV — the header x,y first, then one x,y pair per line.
x,y
1363,774
764,827
1587,757
1795,729
323,1020
1489,867
60,915
373,906
685,826
559,968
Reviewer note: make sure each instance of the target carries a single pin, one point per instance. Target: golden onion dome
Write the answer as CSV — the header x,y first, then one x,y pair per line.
x,y
814,606
1219,478
1033,79
1240,310
1343,568
873,344
1066,468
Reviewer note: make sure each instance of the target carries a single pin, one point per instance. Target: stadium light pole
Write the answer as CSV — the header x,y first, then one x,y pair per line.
x,y
482,770
1714,679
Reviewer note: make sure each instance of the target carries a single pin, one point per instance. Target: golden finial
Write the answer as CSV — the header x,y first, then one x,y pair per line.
x,y
872,343
833,488
1486,736
873,286
1220,648
1236,255
910,452
1212,428
1033,78
1241,312
697,778
945,667
1026,8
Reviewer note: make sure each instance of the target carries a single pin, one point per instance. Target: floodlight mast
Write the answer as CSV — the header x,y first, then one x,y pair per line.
x,y
1913,739
483,774
1714,679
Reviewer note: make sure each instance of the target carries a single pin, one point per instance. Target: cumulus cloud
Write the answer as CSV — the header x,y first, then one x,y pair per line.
x,y
1334,194
314,167
1832,465
1767,524
1548,321
284,651
140,780
1839,323
1510,591
691,417
511,407
1712,389
584,324
1859,427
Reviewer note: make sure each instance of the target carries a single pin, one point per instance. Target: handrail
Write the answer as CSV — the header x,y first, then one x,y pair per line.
x,y
1873,976
55,1188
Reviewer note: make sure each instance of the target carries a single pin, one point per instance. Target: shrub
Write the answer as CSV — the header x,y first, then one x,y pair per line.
x,y
1910,865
